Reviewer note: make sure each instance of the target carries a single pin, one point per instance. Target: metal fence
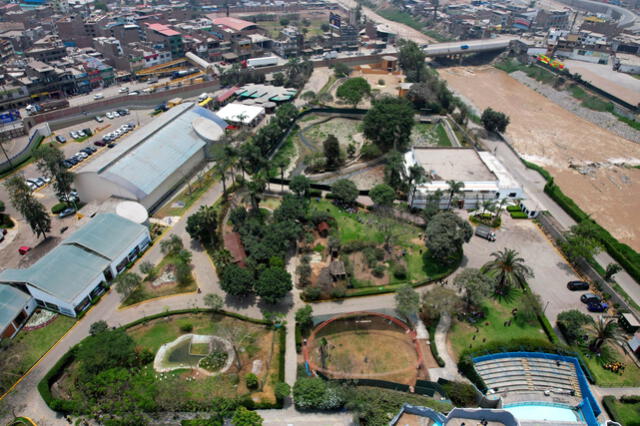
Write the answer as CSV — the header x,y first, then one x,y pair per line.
x,y
36,137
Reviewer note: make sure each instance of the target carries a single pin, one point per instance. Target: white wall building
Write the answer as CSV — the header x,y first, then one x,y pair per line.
x,y
483,176
239,114
154,160
70,276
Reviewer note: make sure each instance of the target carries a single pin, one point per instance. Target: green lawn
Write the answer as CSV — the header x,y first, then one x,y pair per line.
x,y
540,74
590,101
187,196
147,291
492,328
432,134
627,414
419,266
630,377
28,347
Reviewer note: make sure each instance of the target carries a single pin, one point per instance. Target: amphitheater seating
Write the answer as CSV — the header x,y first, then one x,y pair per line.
x,y
521,374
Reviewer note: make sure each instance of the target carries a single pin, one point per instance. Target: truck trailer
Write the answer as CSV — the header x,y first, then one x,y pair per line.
x,y
261,62
485,232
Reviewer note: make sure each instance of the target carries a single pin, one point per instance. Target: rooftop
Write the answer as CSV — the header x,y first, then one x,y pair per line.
x,y
460,164
107,235
12,301
230,22
240,113
163,29
142,161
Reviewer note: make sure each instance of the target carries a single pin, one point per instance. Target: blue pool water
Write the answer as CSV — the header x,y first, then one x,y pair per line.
x,y
543,411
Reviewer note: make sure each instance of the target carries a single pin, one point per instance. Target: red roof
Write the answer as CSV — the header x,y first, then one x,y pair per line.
x,y
227,94
233,23
233,243
163,29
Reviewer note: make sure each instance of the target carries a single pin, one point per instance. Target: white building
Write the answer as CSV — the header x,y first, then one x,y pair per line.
x,y
239,114
72,275
154,160
15,309
483,177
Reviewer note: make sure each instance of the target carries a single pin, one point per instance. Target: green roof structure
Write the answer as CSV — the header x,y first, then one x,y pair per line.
x,y
12,301
107,234
64,272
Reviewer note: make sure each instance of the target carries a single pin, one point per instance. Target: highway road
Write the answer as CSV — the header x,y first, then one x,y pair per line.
x,y
472,46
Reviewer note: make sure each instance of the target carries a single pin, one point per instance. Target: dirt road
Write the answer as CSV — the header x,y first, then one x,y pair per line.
x,y
403,31
590,164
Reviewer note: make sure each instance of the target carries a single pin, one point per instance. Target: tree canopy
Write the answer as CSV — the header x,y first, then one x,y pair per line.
x,y
344,190
49,160
331,149
389,122
581,240
382,195
274,283
507,269
244,417
340,69
445,234
32,210
407,301
411,59
474,285
354,90
127,283
203,224
236,281
313,393
494,121
300,185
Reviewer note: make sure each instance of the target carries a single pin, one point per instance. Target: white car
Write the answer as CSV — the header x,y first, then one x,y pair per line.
x,y
32,186
98,96
123,90
81,154
110,115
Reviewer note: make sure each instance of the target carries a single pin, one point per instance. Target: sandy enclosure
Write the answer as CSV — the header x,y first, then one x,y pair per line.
x,y
587,161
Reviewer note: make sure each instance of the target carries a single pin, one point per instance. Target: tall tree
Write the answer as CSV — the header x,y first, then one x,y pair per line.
x,y
214,301
172,245
602,331
256,187
344,190
285,115
341,70
417,176
394,170
273,284
382,195
581,240
354,90
454,188
300,185
203,225
244,417
331,148
407,302
127,283
411,59
236,281
611,270
237,333
494,121
508,270
445,234
438,301
31,209
49,162
474,286
388,124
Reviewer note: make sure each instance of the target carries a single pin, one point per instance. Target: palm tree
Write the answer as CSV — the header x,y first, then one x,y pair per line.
x,y
455,187
282,164
417,175
603,331
256,187
508,269
488,206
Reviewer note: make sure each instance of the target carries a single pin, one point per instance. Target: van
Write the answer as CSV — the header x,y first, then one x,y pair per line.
x,y
203,97
577,285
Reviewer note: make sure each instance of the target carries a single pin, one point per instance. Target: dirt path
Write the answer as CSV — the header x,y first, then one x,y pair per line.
x,y
587,161
403,31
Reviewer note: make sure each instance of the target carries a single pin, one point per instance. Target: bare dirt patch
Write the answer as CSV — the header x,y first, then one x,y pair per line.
x,y
547,134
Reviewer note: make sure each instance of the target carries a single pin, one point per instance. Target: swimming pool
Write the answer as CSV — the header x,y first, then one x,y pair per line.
x,y
544,411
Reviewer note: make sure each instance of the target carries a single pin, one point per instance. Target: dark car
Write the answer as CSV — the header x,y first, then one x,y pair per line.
x,y
87,150
597,307
577,285
87,132
111,145
73,160
61,139
66,212
464,47
99,143
66,164
589,298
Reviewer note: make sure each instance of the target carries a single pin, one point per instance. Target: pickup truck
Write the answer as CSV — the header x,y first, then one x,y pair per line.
x,y
485,232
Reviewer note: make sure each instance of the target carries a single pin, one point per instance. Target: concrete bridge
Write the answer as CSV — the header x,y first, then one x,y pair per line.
x,y
467,46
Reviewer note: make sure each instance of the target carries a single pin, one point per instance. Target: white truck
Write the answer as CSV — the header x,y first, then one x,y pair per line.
x,y
331,55
262,62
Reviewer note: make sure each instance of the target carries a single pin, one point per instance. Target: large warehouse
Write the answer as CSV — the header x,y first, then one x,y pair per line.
x,y
71,275
483,176
150,163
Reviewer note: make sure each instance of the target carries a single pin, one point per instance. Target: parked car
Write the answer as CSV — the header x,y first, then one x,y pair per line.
x,y
61,139
66,164
590,298
123,111
577,285
81,154
111,145
40,181
485,232
32,186
74,134
110,115
134,93
598,307
123,90
36,182
100,143
66,212
82,134
24,250
98,96
73,160
99,119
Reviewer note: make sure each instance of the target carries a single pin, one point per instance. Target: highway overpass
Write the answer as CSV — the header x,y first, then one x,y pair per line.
x,y
467,46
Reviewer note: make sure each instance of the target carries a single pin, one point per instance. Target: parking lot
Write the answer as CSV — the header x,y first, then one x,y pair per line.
x,y
551,270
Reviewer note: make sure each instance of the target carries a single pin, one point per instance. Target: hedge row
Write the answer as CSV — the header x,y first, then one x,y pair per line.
x,y
548,328
146,319
518,215
298,338
44,386
628,258
609,403
433,347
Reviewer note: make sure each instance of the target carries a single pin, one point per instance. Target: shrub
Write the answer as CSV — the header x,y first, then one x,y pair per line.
x,y
187,327
370,151
311,293
630,399
282,390
319,248
514,209
214,361
251,381
57,208
461,394
518,215
338,292
400,272
313,393
314,193
381,82
378,271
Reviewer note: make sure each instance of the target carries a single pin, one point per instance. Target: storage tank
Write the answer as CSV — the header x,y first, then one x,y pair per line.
x,y
133,211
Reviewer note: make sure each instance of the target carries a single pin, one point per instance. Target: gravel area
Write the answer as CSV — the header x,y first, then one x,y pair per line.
x,y
565,100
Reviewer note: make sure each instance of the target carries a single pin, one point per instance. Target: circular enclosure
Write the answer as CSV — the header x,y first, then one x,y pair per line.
x,y
208,354
364,345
